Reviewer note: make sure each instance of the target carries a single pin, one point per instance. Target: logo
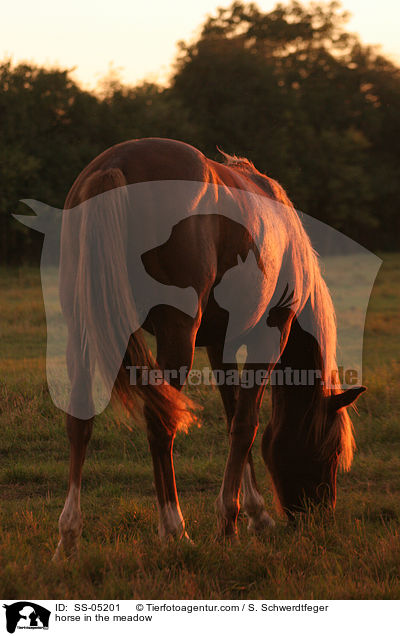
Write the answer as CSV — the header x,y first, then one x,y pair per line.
x,y
120,284
26,615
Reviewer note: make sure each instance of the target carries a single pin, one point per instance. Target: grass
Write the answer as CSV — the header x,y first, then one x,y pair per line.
x,y
357,556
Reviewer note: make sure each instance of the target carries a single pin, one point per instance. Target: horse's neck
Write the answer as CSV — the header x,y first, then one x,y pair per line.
x,y
302,350
299,384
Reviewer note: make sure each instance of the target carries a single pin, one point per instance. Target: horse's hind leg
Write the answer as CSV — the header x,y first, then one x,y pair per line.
x,y
172,355
79,432
70,522
253,501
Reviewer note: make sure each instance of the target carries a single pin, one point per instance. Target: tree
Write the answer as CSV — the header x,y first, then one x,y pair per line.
x,y
290,89
307,102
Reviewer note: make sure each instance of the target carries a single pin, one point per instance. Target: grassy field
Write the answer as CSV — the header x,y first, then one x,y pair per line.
x,y
357,556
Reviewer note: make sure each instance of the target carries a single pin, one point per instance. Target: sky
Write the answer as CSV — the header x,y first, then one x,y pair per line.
x,y
138,39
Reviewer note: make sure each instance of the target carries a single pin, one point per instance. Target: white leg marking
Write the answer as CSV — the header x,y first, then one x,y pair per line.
x,y
254,504
171,521
227,509
219,504
223,509
70,523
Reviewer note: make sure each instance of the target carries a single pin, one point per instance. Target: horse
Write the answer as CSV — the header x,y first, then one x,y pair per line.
x,y
310,432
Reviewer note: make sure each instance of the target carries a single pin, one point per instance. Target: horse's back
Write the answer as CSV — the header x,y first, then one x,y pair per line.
x,y
143,160
202,247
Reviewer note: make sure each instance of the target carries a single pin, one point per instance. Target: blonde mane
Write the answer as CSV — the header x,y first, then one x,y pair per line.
x,y
318,308
233,161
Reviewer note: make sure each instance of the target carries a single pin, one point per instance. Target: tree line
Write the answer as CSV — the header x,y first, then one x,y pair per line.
x,y
305,100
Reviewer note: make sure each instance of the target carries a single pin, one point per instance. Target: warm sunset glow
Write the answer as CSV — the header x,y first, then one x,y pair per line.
x,y
139,39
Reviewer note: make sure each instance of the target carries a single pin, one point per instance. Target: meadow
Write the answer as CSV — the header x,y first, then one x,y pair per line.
x,y
357,556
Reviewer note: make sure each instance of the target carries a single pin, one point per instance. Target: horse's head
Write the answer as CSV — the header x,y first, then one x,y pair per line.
x,y
304,467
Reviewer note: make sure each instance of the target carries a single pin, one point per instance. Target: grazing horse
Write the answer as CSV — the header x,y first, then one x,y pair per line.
x,y
310,431
311,451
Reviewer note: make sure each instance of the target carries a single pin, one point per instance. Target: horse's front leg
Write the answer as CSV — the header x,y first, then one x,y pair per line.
x,y
171,522
241,436
253,501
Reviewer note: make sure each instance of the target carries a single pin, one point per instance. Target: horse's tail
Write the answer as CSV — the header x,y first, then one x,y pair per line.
x,y
105,307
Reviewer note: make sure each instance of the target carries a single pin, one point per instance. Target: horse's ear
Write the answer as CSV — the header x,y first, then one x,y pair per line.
x,y
341,400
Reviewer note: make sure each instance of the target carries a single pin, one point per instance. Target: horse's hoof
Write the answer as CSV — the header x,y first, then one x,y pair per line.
x,y
58,555
227,537
186,539
176,537
62,553
261,524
